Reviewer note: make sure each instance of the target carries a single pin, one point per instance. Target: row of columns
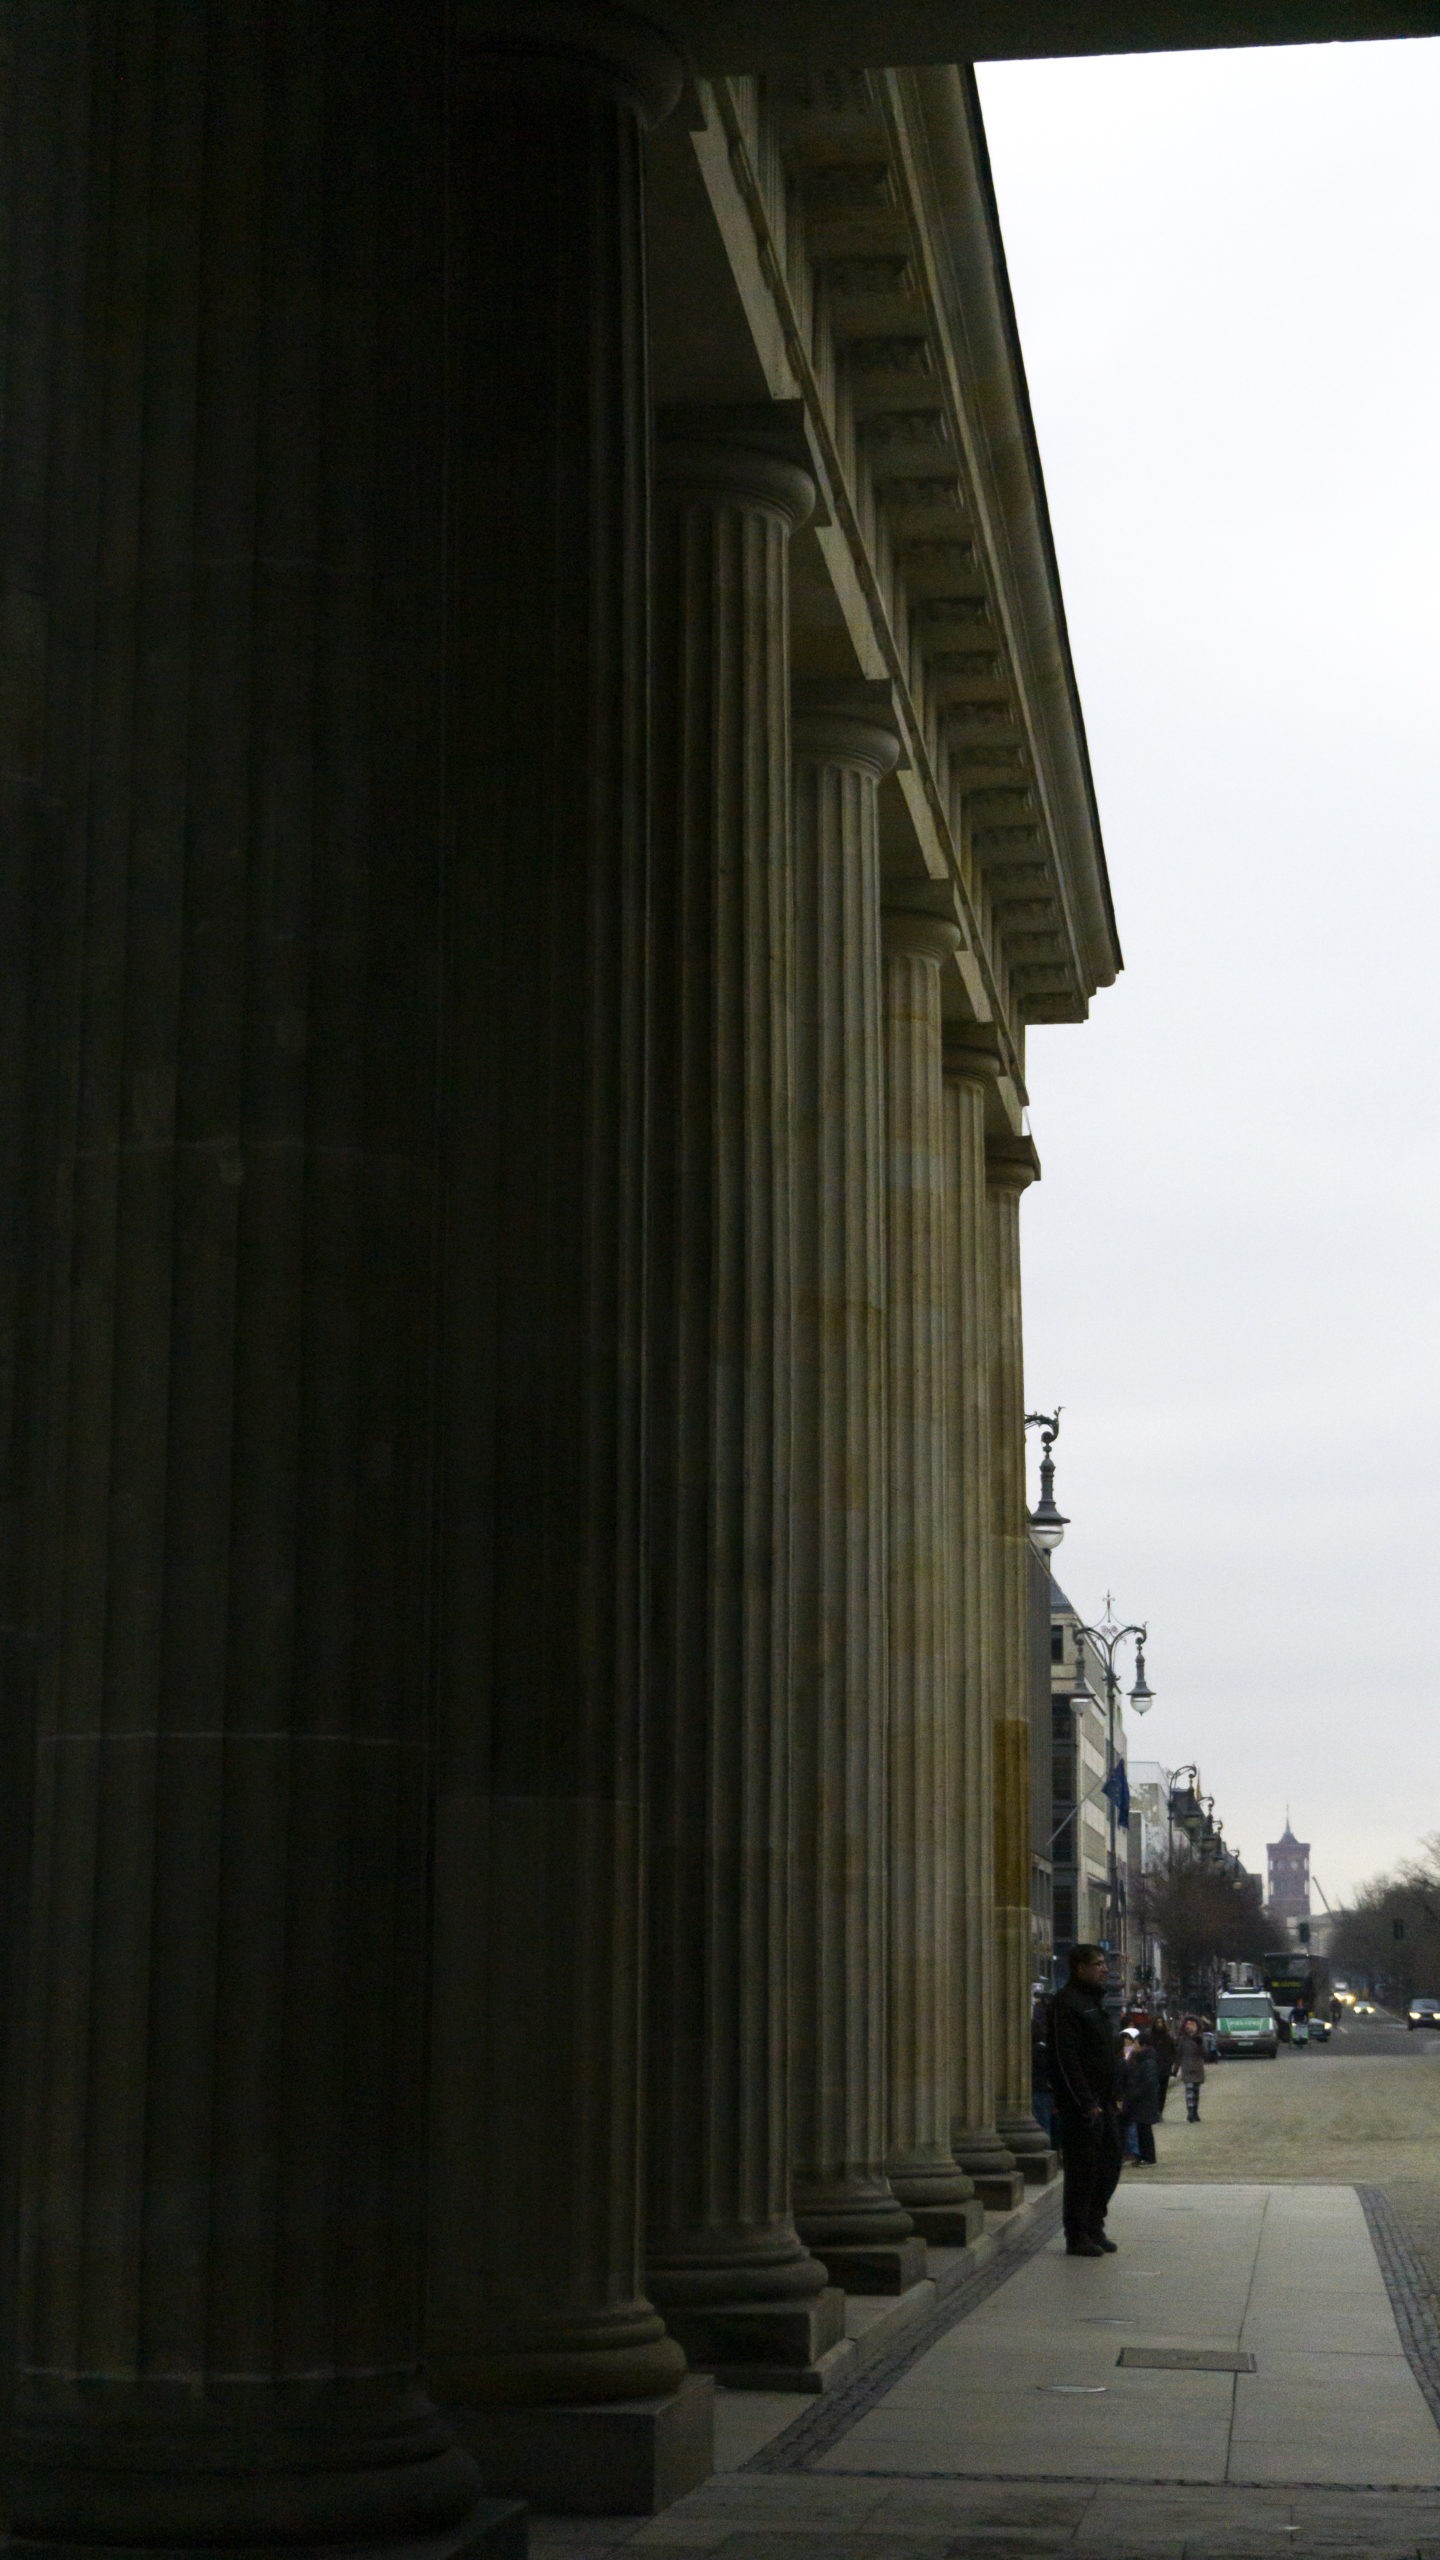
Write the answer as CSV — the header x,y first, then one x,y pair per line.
x,y
516,1321
831,1367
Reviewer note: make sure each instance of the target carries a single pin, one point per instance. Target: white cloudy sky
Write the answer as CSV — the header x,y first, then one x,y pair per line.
x,y
1227,273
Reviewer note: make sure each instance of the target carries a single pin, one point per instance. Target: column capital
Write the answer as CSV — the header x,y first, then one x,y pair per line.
x,y
548,42
754,450
968,1055
1011,1164
847,722
910,930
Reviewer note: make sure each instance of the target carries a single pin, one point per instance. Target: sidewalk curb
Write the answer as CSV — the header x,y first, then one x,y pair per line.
x,y
1413,2298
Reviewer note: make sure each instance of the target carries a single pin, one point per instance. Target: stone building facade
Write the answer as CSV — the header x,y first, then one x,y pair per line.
x,y
1084,1906
542,790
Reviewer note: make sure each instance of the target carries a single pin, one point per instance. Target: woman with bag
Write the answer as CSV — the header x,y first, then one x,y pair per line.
x,y
1190,2066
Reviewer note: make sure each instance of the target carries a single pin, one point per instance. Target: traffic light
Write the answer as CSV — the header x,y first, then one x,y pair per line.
x,y
1397,1928
1303,1931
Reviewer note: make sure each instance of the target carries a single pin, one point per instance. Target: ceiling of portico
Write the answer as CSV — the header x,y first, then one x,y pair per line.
x,y
769,35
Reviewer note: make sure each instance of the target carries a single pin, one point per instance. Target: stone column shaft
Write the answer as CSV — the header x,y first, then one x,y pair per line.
x,y
1011,1165
844,2205
535,2282
725,2261
923,1753
978,2147
218,718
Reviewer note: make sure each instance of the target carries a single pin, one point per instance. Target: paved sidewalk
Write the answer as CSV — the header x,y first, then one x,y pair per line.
x,y
1020,2433
1030,2385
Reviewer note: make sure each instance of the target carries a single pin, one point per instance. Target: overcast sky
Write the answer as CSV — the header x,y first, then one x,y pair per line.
x,y
1227,273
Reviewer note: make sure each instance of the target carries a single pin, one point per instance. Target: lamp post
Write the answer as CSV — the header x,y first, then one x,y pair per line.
x,y
1107,1640
1048,1525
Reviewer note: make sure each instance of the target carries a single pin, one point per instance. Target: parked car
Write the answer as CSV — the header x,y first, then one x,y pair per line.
x,y
1423,2013
1245,2022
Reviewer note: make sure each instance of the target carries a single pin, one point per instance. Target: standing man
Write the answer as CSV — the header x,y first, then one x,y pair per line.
x,y
1083,2076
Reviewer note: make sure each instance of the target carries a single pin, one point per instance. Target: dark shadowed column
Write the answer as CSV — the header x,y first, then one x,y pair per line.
x,y
846,2208
724,2258
536,2292
925,1754
1011,1165
217,525
970,1072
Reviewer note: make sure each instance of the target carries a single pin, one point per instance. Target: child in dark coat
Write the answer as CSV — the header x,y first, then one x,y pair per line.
x,y
1140,2092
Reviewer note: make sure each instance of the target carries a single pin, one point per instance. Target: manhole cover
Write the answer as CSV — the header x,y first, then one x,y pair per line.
x,y
1188,2359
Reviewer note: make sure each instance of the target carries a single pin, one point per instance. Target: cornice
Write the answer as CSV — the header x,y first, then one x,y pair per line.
x,y
980,323
932,483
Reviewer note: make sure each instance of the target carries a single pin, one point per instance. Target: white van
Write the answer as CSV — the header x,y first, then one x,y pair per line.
x,y
1245,2022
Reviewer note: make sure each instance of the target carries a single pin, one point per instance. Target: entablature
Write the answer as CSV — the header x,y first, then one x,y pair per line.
x,y
862,242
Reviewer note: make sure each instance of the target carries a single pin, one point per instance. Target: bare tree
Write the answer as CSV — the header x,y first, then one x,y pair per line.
x,y
1204,1918
1389,1939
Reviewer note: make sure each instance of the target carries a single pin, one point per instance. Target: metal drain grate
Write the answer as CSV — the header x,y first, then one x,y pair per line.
x,y
1188,2359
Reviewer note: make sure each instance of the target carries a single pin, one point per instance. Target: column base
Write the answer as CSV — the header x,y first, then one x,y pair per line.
x,y
1038,2167
614,2458
982,2154
949,2226
496,2529
729,2336
1021,2134
873,2266
1001,2190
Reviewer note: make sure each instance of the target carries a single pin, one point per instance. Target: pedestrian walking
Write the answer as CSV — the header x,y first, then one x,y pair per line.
x,y
1042,2103
1190,2066
1129,2138
1083,2068
1164,2044
1140,2094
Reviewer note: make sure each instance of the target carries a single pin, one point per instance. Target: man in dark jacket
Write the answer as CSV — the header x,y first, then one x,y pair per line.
x,y
1083,2076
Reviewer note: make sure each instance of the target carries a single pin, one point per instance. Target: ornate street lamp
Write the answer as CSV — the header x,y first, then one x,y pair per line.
x,y
1107,1640
1048,1523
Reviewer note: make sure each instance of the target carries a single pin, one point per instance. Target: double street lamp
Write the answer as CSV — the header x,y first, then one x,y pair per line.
x,y
1048,1525
1107,1640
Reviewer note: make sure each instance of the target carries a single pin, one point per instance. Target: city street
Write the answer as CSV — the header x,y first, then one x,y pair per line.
x,y
1363,2110
1255,2370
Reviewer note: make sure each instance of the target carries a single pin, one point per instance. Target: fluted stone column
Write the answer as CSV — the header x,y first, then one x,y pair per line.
x,y
536,2292
217,730
1011,1164
725,2261
924,1754
969,1073
845,2207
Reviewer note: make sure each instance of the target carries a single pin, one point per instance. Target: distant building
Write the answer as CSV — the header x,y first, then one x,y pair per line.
x,y
1151,1845
1287,1877
1081,1890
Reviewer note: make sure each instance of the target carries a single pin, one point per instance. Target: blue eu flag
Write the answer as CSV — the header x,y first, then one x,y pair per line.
x,y
1117,1788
